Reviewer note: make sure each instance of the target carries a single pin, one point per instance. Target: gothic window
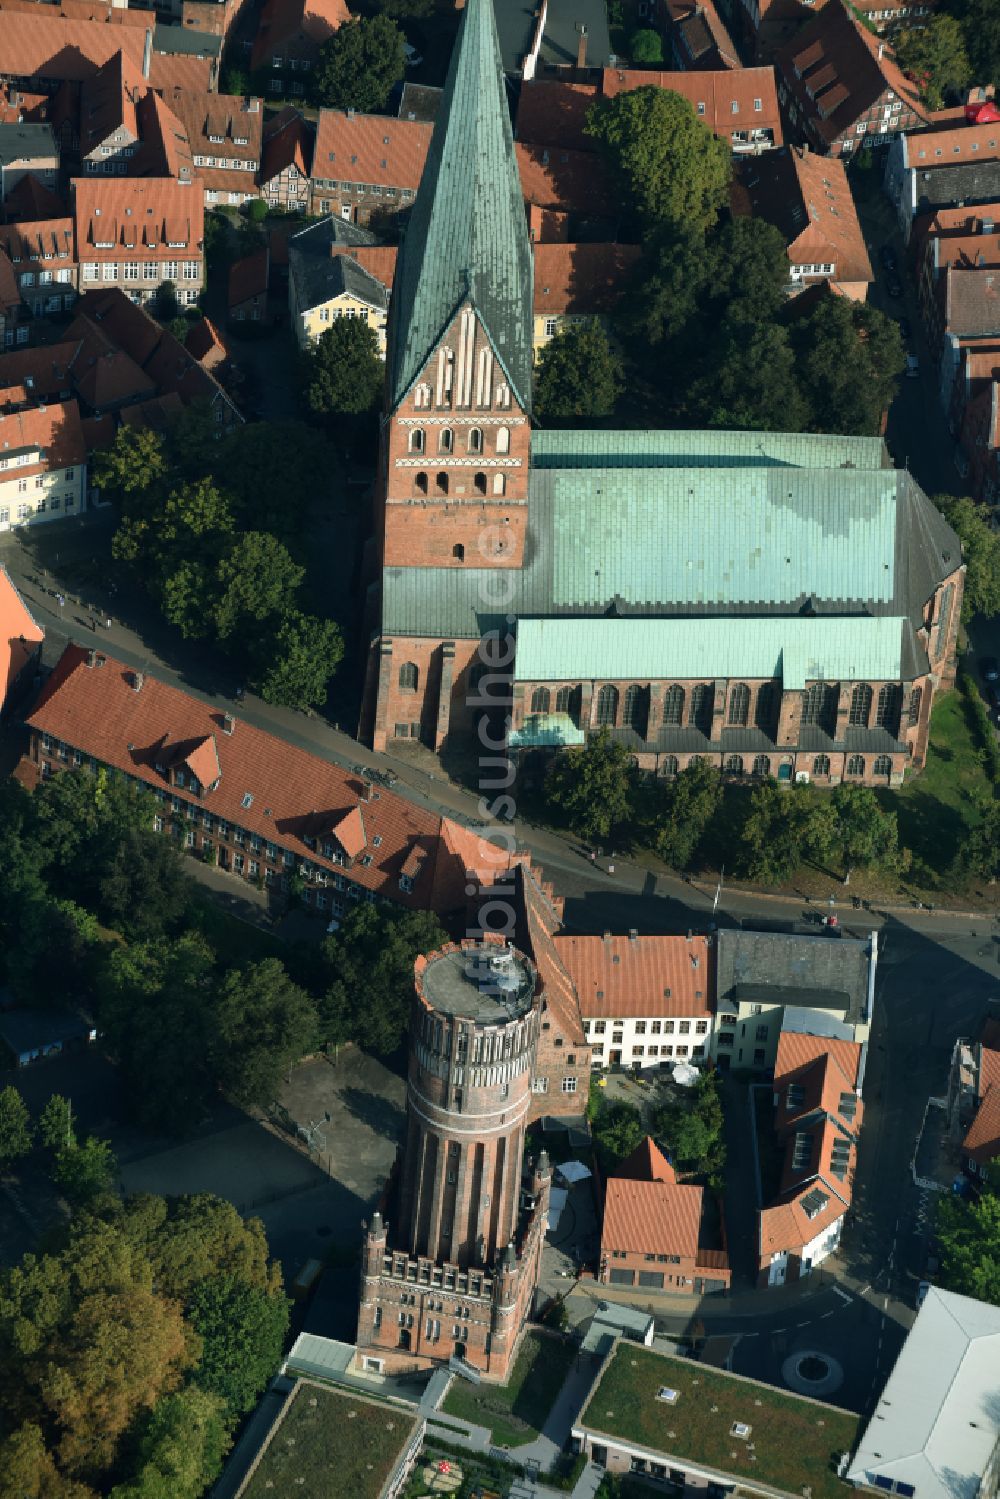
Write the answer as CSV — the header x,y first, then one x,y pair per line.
x,y
607,706
673,705
669,765
766,708
762,766
416,440
889,707
636,712
499,484
702,708
855,765
540,700
882,766
446,371
480,483
475,439
861,706
819,707
442,483
458,552
446,440
739,705
734,765
421,482
914,710
503,439
503,397
422,396
568,701
821,765
408,676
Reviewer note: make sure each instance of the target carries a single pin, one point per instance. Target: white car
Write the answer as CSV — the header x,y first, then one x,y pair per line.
x,y
912,367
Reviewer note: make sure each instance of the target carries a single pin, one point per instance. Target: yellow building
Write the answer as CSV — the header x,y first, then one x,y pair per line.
x,y
329,278
576,283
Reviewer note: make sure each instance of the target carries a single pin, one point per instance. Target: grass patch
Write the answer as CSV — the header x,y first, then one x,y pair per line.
x,y
516,1412
330,1444
796,1442
938,808
769,1152
236,942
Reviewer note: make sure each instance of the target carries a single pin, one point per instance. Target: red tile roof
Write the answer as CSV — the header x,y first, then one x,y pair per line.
x,y
104,375
248,278
54,432
237,119
651,1217
19,634
647,1163
287,143
206,343
587,278
547,226
945,147
158,413
282,21
31,199
371,149
38,42
640,976
147,216
797,1050
982,1142
378,260
98,432
554,114
808,198
726,101
293,795
44,371
108,99
43,239
571,181
702,33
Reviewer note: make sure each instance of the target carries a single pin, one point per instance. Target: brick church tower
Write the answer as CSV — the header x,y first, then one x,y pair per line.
x,y
451,1269
455,447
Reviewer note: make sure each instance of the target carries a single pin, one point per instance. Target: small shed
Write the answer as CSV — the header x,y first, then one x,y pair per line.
x,y
31,1035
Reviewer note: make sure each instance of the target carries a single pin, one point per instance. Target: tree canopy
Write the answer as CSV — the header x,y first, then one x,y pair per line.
x,y
670,165
369,973
968,1231
981,551
592,787
342,372
935,56
578,375
360,65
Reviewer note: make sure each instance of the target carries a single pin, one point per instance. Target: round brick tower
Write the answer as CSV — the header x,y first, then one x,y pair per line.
x,y
473,1034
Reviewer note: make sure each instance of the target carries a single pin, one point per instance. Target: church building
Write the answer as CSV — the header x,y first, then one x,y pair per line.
x,y
783,604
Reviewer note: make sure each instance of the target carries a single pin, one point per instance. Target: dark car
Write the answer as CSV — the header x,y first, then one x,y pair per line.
x,y
894,286
905,329
887,257
989,668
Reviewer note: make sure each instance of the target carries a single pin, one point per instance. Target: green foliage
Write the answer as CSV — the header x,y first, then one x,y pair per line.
x,y
181,1448
136,461
592,787
692,1130
27,1469
980,550
671,166
980,851
848,360
55,1126
864,835
980,23
781,828
689,806
617,1131
263,1023
578,375
646,47
934,55
243,1331
15,1127
342,373
308,652
969,1235
85,1172
256,210
360,65
369,974
164,303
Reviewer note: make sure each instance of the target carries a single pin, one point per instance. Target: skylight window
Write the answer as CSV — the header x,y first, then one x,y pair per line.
x,y
247,799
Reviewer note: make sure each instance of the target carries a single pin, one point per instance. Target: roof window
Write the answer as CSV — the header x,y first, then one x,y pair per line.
x,y
668,1395
247,799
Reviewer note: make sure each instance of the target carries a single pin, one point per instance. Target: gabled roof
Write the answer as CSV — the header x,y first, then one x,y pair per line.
x,y
206,343
371,149
651,1217
939,146
53,432
283,20
550,114
467,240
113,214
702,34
982,1140
808,198
795,970
41,239
203,760
725,100
519,23
583,278
639,976
108,99
31,199
647,1163
972,302
248,277
287,143
19,634
570,181
237,119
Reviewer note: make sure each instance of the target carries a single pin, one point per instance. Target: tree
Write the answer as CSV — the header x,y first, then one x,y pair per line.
x,y
28,1471
692,803
669,163
85,1173
342,374
848,359
750,381
781,828
662,298
134,464
934,55
646,47
164,304
981,850
305,654
969,1235
617,1131
55,1127
218,252
360,65
263,1024
980,22
257,210
981,551
188,1241
243,1332
864,834
692,1130
370,975
15,1127
592,787
258,581
181,1448
578,375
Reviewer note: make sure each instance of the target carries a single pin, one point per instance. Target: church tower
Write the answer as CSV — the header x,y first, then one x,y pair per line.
x,y
453,484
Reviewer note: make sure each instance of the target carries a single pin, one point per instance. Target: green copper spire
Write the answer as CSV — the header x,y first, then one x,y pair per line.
x,y
467,235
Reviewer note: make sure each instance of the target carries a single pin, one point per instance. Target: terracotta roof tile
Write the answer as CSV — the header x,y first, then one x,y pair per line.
x,y
31,200
112,213
725,100
36,44
808,198
372,149
283,20
982,1141
291,792
571,181
206,343
289,144
158,413
19,634
248,278
237,119
944,147
639,976
98,432
43,239
554,114
651,1217
53,431
647,1163
797,1049
585,278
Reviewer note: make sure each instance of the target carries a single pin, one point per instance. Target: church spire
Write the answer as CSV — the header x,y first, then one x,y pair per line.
x,y
467,238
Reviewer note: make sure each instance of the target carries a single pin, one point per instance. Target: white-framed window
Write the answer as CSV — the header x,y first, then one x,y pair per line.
x,y
109,271
192,270
90,270
150,271
569,1085
551,324
171,270
64,276
130,270
539,1085
758,106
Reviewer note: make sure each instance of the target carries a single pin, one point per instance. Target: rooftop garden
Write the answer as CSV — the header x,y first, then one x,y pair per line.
x,y
515,1412
330,1444
792,1444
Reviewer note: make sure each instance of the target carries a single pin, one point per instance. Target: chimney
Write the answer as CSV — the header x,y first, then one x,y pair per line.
x,y
633,934
137,681
91,658
228,723
147,52
881,49
581,46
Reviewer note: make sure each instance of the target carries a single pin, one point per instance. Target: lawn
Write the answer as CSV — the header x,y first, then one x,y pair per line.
x,y
937,808
795,1442
331,1444
516,1412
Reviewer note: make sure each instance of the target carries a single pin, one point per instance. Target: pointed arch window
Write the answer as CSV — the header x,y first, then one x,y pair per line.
x,y
913,713
821,765
669,765
503,439
475,439
503,397
607,706
889,707
855,765
762,765
739,705
734,765
673,706
702,708
861,706
446,440
540,700
882,766
421,483
766,708
422,397
568,701
479,484
636,713
819,707
416,442
409,676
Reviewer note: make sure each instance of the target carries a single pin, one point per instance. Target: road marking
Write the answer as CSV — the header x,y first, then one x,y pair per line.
x,y
748,1335
828,1314
775,1330
802,1324
844,1296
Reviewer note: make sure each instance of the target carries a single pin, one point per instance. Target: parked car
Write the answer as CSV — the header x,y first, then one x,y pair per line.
x,y
894,286
888,257
413,57
989,668
912,367
922,1290
905,329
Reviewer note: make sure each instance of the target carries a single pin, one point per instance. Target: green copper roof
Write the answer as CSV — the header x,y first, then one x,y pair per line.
x,y
684,449
796,650
467,236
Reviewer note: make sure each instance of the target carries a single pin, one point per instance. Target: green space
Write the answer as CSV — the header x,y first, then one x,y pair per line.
x,y
233,940
330,1444
796,1442
516,1412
